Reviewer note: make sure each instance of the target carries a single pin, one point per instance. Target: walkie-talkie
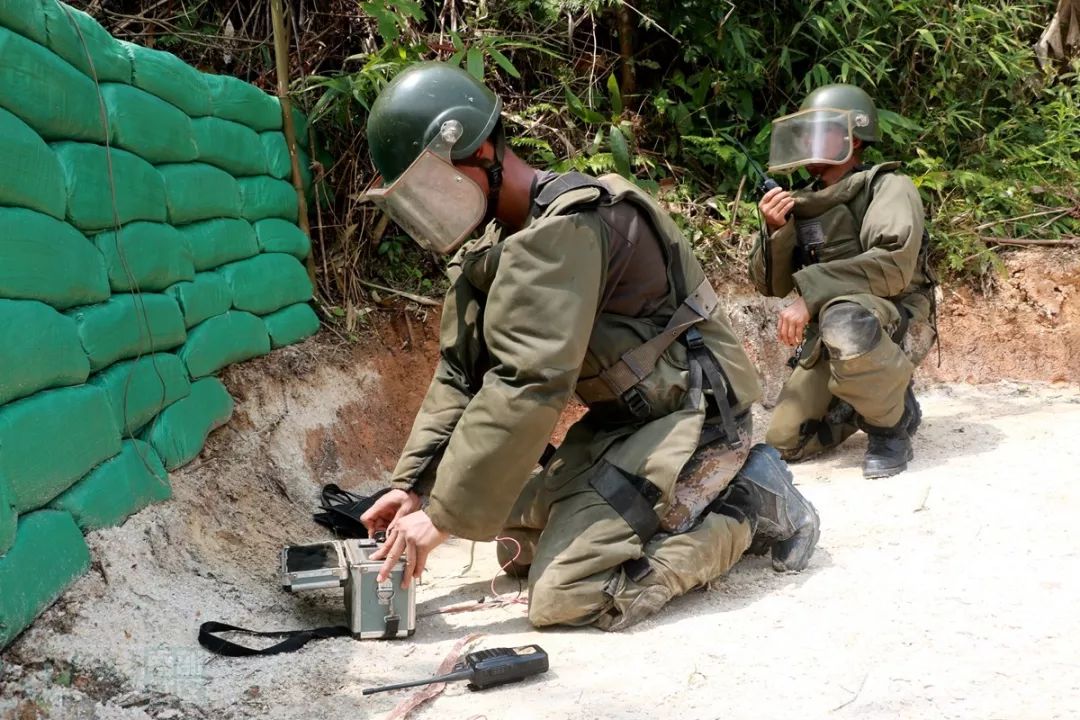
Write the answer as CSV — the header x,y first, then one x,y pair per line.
x,y
486,668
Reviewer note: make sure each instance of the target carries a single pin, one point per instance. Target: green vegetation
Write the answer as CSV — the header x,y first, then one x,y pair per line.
x,y
656,91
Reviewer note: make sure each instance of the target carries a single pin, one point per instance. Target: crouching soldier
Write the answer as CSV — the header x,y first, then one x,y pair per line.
x,y
852,247
581,285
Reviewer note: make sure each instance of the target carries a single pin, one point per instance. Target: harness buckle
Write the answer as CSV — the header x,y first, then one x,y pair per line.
x,y
637,403
694,339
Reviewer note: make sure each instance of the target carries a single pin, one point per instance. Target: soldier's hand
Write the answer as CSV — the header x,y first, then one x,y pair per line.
x,y
390,507
775,206
413,535
793,321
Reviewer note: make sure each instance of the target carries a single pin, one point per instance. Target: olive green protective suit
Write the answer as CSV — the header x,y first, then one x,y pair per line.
x,y
854,252
531,317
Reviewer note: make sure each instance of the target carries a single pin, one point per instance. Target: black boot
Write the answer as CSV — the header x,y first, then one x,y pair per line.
x,y
889,449
782,519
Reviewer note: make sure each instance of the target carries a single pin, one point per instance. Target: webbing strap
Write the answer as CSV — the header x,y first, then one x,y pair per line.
x,y
716,378
636,363
294,639
633,500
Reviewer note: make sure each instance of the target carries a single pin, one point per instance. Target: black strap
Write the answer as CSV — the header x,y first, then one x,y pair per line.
x,y
632,497
714,375
905,321
294,639
545,457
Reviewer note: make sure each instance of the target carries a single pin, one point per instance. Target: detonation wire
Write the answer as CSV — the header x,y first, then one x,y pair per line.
x,y
128,273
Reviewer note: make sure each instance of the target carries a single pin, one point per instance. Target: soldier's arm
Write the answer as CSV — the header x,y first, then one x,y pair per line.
x,y
537,322
450,390
772,261
892,233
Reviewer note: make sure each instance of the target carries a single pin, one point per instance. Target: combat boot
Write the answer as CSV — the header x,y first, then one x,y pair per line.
x,y
784,522
889,449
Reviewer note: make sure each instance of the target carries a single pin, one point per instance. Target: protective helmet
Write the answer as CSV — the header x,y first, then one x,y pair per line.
x,y
855,100
431,115
821,132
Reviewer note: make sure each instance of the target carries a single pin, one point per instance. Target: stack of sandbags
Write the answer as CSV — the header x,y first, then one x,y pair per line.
x,y
149,239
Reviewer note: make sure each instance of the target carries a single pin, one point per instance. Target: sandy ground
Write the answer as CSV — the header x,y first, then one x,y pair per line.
x,y
950,591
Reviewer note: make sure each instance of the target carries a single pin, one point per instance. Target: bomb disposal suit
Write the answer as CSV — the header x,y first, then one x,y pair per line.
x,y
656,490
855,252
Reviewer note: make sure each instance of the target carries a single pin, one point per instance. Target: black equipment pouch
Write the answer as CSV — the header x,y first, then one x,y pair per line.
x,y
341,511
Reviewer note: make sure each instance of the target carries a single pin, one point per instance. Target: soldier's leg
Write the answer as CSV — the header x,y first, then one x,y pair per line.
x,y
808,418
590,566
523,527
871,373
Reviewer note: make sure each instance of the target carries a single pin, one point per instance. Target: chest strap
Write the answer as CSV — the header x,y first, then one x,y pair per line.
x,y
618,381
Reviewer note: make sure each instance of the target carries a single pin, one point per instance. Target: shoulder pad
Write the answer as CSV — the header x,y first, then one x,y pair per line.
x,y
569,190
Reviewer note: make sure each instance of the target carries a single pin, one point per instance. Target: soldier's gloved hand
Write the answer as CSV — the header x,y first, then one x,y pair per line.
x,y
390,507
775,206
793,321
413,535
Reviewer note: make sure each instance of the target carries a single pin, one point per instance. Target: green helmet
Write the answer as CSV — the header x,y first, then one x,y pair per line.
x,y
411,110
864,117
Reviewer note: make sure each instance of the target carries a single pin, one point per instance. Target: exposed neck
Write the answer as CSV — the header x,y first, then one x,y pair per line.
x,y
515,199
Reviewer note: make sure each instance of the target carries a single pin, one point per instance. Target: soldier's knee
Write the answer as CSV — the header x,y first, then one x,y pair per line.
x,y
547,605
849,330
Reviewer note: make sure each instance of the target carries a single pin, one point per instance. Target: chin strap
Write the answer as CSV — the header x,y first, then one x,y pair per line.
x,y
494,171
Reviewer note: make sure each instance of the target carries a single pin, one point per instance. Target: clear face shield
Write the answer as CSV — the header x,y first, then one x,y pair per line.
x,y
810,137
432,201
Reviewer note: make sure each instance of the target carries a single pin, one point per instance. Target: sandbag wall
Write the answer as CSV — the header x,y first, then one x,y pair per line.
x,y
148,239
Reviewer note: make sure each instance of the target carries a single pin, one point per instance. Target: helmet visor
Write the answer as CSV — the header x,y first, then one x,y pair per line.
x,y
820,136
433,201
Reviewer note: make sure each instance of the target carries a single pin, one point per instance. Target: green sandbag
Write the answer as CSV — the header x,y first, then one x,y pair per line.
x,y
168,77
179,432
145,256
45,259
291,325
140,389
148,126
300,125
278,162
229,146
140,191
8,519
40,184
48,555
206,296
25,17
281,236
197,191
52,97
117,488
223,340
264,197
216,242
233,99
127,325
71,34
41,350
51,439
267,282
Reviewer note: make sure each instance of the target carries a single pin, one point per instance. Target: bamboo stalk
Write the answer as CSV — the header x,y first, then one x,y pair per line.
x,y
1066,242
281,60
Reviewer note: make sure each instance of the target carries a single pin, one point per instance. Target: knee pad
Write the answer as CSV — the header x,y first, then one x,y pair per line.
x,y
849,330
